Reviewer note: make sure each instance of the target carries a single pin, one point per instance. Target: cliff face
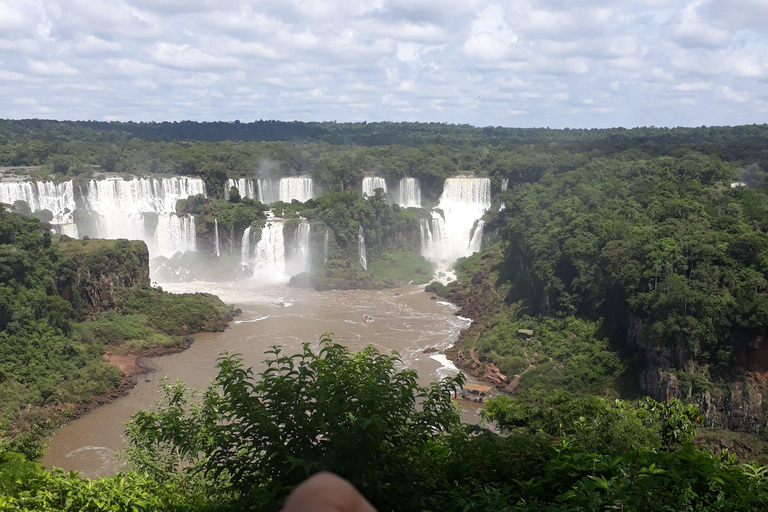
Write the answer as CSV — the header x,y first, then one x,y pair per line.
x,y
734,403
104,270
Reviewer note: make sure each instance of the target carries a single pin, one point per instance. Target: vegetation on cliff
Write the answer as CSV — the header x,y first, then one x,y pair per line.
x,y
656,261
245,442
63,303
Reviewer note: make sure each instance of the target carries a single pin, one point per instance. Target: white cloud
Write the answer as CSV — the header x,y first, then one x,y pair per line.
x,y
691,31
491,38
527,62
736,96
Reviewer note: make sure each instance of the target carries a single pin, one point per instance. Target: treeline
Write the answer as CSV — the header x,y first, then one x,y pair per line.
x,y
338,155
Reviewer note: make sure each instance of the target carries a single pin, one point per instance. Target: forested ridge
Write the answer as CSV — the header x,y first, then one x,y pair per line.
x,y
63,303
640,270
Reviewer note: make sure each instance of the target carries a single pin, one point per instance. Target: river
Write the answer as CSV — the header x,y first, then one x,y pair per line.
x,y
405,320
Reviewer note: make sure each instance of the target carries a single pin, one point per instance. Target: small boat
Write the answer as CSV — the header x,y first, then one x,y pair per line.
x,y
368,319
475,392
279,303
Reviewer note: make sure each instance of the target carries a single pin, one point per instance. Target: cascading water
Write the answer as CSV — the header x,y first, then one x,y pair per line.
x,y
59,198
269,257
427,242
299,261
299,188
216,235
361,248
325,248
123,206
370,184
409,195
269,191
463,202
175,234
476,243
244,186
245,248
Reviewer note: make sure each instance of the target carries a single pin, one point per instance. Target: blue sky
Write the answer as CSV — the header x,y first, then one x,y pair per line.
x,y
555,63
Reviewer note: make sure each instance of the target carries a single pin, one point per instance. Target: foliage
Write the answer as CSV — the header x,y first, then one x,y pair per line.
x,y
258,439
248,445
26,486
49,360
596,423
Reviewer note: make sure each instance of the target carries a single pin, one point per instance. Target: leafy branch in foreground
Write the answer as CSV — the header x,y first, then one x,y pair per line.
x,y
353,414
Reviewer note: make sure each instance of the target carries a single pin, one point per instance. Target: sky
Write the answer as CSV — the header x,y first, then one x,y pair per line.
x,y
515,63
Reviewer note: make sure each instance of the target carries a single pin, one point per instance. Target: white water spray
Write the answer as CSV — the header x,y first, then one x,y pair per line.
x,y
244,186
299,188
325,248
175,234
269,257
59,198
409,195
123,204
300,253
216,235
476,243
464,201
361,248
370,184
245,248
269,191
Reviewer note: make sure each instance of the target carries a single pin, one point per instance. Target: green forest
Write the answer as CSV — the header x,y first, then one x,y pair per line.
x,y
620,301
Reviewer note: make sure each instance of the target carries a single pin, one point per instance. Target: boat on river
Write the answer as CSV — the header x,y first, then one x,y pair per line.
x,y
475,392
368,319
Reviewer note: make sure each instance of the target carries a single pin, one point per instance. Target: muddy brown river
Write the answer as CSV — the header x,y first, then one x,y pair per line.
x,y
405,320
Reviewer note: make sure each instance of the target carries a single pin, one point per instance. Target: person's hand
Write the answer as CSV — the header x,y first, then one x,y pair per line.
x,y
326,492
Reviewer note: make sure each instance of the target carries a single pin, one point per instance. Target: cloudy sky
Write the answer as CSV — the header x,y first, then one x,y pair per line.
x,y
557,63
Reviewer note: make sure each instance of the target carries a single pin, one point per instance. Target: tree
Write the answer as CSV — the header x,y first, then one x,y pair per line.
x,y
330,410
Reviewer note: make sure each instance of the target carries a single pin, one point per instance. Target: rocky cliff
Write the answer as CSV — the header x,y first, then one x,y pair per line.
x,y
734,402
103,270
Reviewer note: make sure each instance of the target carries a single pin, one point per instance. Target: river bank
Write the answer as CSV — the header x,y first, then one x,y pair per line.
x,y
407,321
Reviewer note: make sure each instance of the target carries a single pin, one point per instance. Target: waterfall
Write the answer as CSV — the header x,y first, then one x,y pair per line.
x,y
463,202
427,242
232,240
269,191
300,252
269,260
244,186
504,186
476,243
300,188
59,198
125,208
410,193
175,234
66,229
216,235
370,184
361,248
245,248
325,248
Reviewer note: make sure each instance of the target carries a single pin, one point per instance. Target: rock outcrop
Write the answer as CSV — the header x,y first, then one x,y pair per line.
x,y
103,270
